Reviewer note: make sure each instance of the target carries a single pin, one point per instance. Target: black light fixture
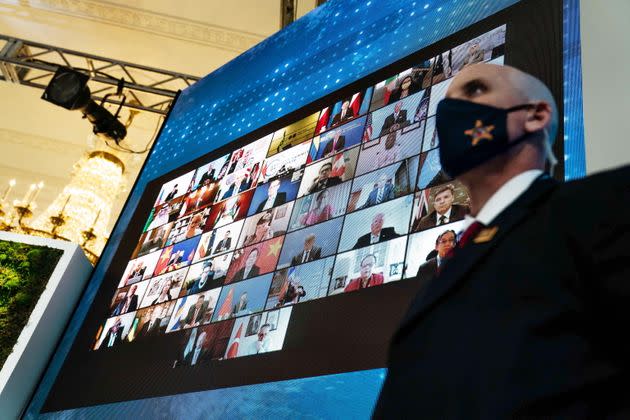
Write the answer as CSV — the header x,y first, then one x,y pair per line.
x,y
68,89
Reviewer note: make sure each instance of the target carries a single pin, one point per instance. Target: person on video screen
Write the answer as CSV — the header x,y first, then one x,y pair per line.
x,y
241,305
204,281
532,306
390,151
262,231
165,291
225,243
196,312
444,246
406,87
262,343
398,118
129,302
153,327
323,179
309,252
274,197
377,232
367,278
114,334
321,211
292,291
444,210
250,269
335,144
383,190
345,114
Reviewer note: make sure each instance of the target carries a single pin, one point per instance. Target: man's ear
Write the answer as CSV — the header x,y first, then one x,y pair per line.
x,y
538,117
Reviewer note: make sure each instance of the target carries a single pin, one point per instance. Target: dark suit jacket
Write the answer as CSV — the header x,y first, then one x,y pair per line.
x,y
330,182
341,142
315,254
108,336
388,194
241,273
390,120
427,270
155,329
224,244
281,198
529,323
191,313
337,120
458,212
387,233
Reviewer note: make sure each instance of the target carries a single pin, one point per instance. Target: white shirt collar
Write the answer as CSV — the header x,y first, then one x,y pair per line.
x,y
503,197
447,215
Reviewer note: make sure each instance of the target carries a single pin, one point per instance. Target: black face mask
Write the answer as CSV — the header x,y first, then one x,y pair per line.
x,y
471,134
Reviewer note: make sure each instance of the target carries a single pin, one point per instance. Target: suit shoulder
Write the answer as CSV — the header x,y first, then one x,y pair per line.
x,y
607,185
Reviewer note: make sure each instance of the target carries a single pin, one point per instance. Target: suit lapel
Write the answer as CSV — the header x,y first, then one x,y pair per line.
x,y
455,270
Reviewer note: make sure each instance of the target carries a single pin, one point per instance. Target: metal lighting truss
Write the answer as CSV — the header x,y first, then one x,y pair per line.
x,y
33,64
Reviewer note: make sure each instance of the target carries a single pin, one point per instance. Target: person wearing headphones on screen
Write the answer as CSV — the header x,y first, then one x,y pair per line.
x,y
526,319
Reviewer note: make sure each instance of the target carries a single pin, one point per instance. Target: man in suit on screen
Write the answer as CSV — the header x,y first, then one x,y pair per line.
x,y
398,118
274,197
367,278
382,191
377,234
444,211
335,144
526,320
309,252
444,245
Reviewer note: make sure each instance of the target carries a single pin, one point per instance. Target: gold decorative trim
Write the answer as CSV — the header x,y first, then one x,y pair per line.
x,y
142,20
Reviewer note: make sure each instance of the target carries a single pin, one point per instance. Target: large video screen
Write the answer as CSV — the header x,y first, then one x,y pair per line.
x,y
291,252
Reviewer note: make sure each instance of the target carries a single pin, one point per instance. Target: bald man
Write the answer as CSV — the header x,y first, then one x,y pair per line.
x,y
528,318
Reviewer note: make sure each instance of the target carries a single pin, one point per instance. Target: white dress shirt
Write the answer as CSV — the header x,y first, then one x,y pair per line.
x,y
447,217
503,197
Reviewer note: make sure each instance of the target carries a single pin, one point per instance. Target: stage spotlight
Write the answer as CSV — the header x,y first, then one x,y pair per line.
x,y
68,89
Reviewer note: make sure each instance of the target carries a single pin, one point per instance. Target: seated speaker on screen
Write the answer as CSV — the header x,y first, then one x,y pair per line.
x,y
165,213
344,110
258,333
193,310
254,260
376,224
151,322
266,225
218,241
369,267
394,116
276,192
187,226
320,206
127,299
164,288
114,331
336,140
440,205
242,298
200,278
175,188
152,240
311,243
385,184
402,85
199,199
202,344
389,149
229,211
300,283
210,172
427,250
177,256
329,172
284,163
293,134
139,269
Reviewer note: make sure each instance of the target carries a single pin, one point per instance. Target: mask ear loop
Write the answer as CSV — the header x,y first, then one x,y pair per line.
x,y
551,158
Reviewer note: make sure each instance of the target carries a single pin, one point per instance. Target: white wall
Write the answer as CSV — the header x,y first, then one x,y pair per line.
x,y
606,86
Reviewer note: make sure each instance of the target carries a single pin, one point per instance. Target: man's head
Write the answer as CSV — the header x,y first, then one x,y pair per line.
x,y
274,186
367,264
227,234
199,302
324,171
132,290
309,241
445,242
345,104
263,331
398,107
377,223
444,198
201,340
337,134
506,87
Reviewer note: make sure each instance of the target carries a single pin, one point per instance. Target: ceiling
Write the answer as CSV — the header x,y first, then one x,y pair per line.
x,y
41,142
